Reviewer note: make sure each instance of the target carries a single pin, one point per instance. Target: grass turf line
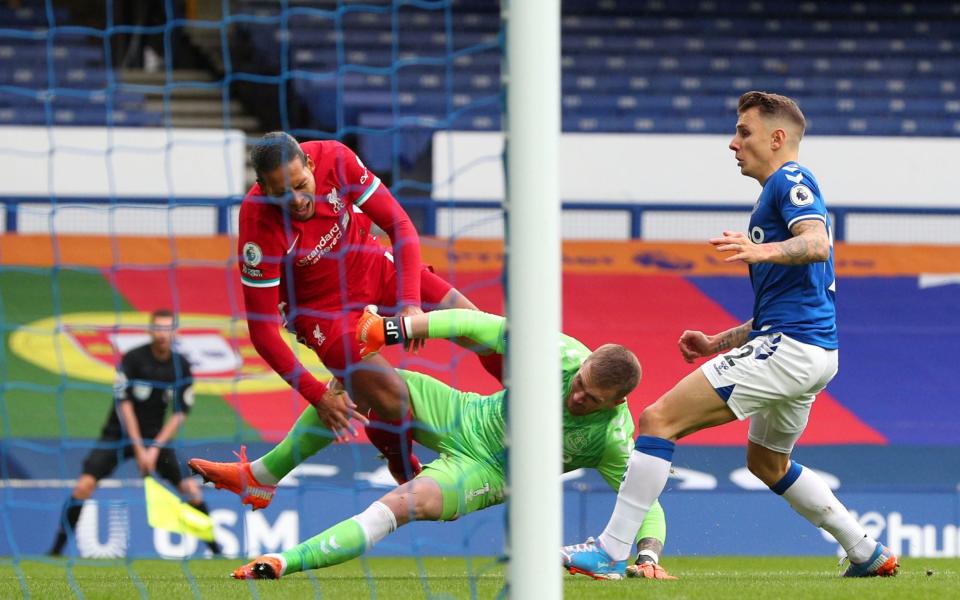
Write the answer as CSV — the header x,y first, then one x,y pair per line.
x,y
400,578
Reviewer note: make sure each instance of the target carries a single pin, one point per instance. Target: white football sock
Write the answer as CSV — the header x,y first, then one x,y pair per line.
x,y
283,562
377,522
262,473
810,496
650,554
645,478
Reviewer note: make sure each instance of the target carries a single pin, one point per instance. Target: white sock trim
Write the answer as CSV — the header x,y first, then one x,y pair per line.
x,y
377,522
262,473
650,553
283,563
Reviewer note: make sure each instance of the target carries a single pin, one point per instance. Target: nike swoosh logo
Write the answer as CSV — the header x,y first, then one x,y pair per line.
x,y
294,244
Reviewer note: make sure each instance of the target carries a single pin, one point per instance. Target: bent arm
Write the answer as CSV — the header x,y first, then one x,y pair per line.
x,y
130,424
263,323
169,429
731,338
384,210
809,244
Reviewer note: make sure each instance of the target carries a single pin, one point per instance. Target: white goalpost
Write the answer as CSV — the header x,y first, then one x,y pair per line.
x,y
532,126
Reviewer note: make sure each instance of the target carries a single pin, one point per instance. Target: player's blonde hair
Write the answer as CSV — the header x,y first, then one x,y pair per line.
x,y
775,106
613,366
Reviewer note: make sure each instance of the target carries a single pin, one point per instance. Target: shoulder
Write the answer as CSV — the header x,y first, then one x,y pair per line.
x,y
792,174
137,353
260,220
572,347
795,183
325,152
184,363
621,421
256,208
135,356
618,432
572,352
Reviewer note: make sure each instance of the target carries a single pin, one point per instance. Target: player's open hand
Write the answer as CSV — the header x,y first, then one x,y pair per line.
x,y
336,409
740,246
411,345
694,345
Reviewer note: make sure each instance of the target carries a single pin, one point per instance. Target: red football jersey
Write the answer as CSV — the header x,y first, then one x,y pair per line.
x,y
318,253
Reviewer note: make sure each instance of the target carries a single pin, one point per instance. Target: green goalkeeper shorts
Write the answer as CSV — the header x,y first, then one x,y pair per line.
x,y
467,484
466,429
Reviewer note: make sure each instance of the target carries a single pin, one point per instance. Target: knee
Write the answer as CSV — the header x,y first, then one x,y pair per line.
x,y
382,391
652,422
769,473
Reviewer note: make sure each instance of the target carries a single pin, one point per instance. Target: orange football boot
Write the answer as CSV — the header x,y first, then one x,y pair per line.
x,y
235,477
264,567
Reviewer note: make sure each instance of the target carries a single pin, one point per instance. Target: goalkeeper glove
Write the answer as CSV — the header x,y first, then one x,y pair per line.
x,y
374,332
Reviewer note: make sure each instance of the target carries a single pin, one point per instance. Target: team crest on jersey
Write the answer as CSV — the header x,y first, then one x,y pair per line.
x,y
335,202
575,440
800,195
252,254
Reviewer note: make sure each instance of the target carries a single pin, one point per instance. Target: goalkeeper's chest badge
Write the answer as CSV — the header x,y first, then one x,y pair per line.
x,y
575,441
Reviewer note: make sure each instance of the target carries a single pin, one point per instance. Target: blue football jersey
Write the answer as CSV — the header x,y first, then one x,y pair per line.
x,y
797,300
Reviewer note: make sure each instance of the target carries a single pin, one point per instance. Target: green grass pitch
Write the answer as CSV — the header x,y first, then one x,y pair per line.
x,y
400,578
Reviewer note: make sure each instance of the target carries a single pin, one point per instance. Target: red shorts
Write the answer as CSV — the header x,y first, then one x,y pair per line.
x,y
330,330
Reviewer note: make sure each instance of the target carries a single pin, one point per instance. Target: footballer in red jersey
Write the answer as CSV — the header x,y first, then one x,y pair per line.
x,y
306,246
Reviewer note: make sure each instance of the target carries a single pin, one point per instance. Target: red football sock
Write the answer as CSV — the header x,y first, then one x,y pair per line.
x,y
493,363
394,439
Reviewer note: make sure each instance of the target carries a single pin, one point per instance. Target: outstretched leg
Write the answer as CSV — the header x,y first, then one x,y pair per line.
x,y
420,500
809,495
256,482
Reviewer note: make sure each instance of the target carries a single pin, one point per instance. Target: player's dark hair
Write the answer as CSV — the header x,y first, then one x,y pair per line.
x,y
161,313
613,366
773,105
273,150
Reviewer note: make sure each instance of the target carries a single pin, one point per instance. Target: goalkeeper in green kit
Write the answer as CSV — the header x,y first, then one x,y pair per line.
x,y
467,430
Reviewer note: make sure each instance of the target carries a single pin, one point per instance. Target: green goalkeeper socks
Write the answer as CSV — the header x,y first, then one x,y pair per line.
x,y
484,329
336,545
307,437
654,524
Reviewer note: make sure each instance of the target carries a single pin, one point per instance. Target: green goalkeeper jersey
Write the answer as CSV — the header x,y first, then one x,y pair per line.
x,y
472,425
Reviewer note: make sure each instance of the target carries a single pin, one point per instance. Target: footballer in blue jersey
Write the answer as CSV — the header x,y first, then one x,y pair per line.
x,y
794,299
767,370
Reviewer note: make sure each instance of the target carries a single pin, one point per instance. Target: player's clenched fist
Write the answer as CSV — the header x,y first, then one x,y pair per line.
x,y
374,332
694,345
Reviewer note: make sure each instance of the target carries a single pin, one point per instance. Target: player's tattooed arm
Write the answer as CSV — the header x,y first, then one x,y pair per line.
x,y
732,338
696,344
809,244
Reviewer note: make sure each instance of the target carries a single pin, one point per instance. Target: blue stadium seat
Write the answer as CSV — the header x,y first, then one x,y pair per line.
x,y
80,116
860,68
